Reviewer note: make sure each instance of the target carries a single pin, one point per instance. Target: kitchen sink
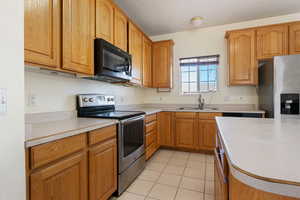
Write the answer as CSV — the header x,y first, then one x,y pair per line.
x,y
196,108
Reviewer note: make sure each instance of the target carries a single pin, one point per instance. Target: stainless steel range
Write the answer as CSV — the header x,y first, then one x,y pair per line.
x,y
131,137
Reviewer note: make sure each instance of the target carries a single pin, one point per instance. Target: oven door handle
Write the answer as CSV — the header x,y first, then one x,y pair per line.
x,y
132,119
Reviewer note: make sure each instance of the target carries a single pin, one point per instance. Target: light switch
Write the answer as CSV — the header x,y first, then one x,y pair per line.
x,y
3,101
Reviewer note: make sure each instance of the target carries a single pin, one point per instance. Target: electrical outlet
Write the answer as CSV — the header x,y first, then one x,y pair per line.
x,y
32,100
3,101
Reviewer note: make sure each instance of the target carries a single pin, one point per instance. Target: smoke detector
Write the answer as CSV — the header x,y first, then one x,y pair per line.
x,y
197,21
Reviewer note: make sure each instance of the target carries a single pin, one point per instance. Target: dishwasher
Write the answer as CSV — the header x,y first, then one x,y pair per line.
x,y
237,114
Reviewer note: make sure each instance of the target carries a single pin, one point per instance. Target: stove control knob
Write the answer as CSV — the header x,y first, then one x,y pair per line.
x,y
91,100
85,99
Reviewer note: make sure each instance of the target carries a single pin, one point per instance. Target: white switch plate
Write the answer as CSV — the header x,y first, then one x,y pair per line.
x,y
3,101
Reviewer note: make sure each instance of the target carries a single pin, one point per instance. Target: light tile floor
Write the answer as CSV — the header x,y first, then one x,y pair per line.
x,y
174,175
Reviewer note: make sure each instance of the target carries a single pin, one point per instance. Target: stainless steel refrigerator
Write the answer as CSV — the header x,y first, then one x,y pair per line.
x,y
278,78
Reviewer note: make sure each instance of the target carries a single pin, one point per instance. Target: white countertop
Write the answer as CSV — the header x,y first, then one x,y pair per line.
x,y
264,148
47,131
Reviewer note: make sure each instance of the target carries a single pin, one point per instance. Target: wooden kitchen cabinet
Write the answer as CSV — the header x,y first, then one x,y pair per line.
x,y
185,130
136,50
165,130
78,35
120,30
42,32
105,20
243,69
103,170
66,179
152,138
147,62
294,38
207,134
272,41
162,64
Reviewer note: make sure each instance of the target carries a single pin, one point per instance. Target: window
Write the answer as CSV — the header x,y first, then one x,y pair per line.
x,y
199,74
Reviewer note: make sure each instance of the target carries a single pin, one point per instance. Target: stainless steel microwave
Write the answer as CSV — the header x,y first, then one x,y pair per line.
x,y
112,64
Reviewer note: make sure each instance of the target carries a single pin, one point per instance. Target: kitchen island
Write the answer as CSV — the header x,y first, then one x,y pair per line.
x,y
257,159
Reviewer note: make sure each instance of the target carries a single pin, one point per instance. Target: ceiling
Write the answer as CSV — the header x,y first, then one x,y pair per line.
x,y
168,16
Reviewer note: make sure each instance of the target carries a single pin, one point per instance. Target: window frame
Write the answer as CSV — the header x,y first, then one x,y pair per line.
x,y
198,76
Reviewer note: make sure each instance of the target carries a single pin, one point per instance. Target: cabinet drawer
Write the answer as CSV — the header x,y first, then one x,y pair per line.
x,y
150,118
150,138
45,153
209,115
151,127
102,134
185,115
150,150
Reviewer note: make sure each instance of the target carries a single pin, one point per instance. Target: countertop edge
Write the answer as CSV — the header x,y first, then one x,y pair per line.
x,y
65,134
267,180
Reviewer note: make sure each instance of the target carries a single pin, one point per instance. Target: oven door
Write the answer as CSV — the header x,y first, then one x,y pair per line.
x,y
131,141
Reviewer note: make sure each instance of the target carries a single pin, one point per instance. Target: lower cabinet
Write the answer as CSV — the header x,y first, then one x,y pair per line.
x,y
103,170
207,130
65,180
165,129
151,136
185,130
88,171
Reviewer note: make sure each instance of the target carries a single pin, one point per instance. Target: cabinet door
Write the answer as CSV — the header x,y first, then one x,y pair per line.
x,y
147,62
272,41
42,32
65,180
120,30
294,32
105,20
207,134
185,130
165,132
162,64
103,170
136,50
242,62
78,35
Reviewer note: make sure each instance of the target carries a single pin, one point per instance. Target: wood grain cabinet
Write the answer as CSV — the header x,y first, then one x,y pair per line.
x,y
162,64
272,41
103,170
66,180
80,167
105,20
120,30
165,129
294,38
136,50
243,67
185,130
42,29
78,35
147,62
152,138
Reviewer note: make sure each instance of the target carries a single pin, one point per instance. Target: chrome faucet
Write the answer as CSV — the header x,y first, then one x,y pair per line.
x,y
201,102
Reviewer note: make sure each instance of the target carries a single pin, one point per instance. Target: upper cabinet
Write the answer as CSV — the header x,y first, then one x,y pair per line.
x,y
42,28
147,62
162,64
120,30
242,59
136,50
294,36
105,20
272,41
246,47
78,35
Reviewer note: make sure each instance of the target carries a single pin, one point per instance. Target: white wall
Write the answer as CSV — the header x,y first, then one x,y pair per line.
x,y
12,167
210,41
57,93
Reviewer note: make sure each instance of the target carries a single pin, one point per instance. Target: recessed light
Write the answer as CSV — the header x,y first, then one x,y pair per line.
x,y
197,21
